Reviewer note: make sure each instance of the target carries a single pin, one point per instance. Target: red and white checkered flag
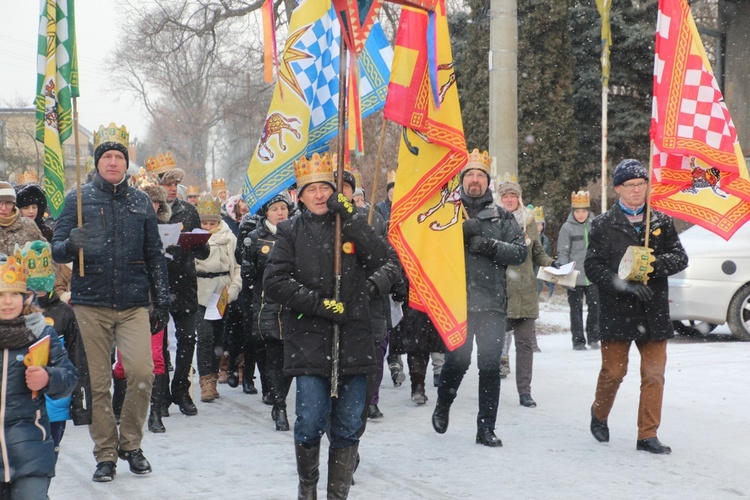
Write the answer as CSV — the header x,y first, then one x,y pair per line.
x,y
699,171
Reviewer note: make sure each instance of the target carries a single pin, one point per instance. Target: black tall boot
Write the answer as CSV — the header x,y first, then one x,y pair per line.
x,y
276,385
167,399
418,394
118,396
341,464
308,469
233,371
157,401
278,413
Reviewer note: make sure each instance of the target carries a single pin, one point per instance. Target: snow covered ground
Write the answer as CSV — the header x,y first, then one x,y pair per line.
x,y
231,451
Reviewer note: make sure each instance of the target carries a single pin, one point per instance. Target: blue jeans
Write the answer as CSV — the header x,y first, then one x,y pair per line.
x,y
315,405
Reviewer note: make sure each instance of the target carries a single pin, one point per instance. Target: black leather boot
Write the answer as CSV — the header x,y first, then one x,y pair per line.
x,y
278,414
599,428
118,396
653,445
157,396
233,374
341,465
308,470
440,417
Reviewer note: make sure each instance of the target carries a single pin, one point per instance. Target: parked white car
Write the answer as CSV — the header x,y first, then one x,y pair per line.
x,y
715,287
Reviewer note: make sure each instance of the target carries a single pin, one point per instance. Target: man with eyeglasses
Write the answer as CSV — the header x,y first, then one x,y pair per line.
x,y
632,311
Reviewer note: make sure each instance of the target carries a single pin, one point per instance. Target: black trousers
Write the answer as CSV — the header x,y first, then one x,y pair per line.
x,y
575,301
186,336
488,328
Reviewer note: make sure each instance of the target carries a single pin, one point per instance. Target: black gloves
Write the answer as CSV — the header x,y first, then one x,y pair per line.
x,y
158,319
639,290
372,289
556,264
175,251
79,237
471,228
340,204
332,310
482,246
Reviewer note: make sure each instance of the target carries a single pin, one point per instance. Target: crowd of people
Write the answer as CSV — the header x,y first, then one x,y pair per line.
x,y
271,289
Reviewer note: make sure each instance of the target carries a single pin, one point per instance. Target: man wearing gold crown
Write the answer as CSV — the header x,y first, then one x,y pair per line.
x,y
632,311
572,243
183,283
300,276
124,273
492,241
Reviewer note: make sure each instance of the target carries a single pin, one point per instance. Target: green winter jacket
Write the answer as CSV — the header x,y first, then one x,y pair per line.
x,y
523,301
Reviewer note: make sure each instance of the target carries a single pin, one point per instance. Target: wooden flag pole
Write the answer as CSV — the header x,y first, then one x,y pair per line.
x,y
337,238
79,206
648,193
377,172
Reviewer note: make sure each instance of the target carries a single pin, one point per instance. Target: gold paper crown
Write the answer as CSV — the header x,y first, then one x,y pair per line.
x,y
89,165
28,177
38,264
581,199
160,164
538,214
218,185
13,274
142,179
193,191
335,163
208,205
111,134
391,177
480,161
316,169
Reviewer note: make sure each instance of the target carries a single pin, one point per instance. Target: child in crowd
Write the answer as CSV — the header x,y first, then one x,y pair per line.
x,y
28,461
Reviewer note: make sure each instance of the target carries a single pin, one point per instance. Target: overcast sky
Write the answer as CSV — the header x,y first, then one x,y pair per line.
x,y
98,26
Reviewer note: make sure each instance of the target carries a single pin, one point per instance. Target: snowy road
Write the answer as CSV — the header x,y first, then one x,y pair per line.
x,y
231,451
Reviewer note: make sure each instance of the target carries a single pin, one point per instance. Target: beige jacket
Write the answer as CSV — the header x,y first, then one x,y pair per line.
x,y
220,260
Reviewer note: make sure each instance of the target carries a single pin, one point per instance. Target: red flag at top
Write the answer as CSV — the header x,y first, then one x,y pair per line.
x,y
699,170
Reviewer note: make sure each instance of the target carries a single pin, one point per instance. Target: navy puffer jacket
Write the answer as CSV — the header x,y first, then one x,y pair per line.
x,y
25,436
124,260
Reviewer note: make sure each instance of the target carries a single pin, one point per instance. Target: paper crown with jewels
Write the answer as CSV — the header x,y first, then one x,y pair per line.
x,y
479,161
209,208
581,199
36,257
28,177
160,164
142,179
111,133
218,185
318,168
13,274
193,191
538,214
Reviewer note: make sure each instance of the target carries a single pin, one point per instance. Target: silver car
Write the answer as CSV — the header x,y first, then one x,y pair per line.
x,y
715,287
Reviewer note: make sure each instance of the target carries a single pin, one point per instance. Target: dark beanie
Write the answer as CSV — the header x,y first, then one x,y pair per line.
x,y
348,178
629,169
108,146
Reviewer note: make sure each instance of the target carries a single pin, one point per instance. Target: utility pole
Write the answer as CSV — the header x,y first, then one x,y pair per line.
x,y
503,62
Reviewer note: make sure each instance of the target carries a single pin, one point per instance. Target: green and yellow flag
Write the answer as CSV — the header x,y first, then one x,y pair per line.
x,y
57,84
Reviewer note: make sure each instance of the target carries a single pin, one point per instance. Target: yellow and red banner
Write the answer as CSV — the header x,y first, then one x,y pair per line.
x,y
425,226
700,173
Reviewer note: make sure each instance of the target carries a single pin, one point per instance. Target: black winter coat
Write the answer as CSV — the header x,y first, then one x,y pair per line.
x,y
383,278
266,313
183,282
485,275
28,450
63,320
299,275
124,262
623,317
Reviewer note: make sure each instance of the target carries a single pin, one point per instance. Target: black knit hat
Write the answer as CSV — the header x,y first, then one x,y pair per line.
x,y
108,146
348,178
279,197
31,194
629,169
